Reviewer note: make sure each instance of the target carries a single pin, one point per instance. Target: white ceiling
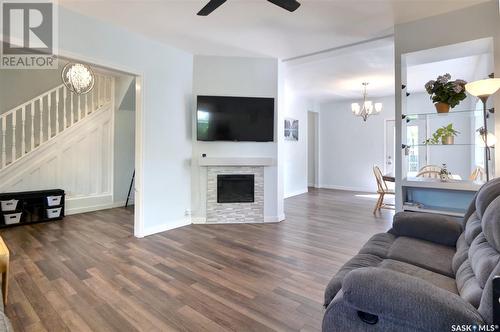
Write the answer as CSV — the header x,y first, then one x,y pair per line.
x,y
465,68
340,75
259,28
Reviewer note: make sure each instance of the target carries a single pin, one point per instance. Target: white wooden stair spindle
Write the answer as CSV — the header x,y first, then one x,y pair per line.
x,y
98,91
57,111
32,135
4,145
49,122
79,109
65,119
14,120
40,108
92,108
71,108
23,131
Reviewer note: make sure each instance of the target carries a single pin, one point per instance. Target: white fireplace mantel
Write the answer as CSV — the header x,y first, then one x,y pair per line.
x,y
243,161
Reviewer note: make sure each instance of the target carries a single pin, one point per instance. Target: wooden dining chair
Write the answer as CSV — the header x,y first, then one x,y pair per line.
x,y
382,190
429,171
478,174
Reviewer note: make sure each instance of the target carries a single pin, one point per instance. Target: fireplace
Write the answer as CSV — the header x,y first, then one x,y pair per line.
x,y
235,188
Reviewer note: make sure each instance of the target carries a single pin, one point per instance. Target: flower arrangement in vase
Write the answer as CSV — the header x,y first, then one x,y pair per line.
x,y
445,93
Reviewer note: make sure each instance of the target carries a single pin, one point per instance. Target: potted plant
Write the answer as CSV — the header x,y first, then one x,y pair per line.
x,y
445,93
444,135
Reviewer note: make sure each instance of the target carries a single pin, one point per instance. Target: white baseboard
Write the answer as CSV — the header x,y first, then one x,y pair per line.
x,y
346,188
267,219
93,208
165,227
74,205
198,220
273,219
295,193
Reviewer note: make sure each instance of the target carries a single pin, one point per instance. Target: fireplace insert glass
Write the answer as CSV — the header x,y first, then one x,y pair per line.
x,y
235,188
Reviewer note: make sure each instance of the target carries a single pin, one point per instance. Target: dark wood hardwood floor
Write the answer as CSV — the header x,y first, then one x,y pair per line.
x,y
88,273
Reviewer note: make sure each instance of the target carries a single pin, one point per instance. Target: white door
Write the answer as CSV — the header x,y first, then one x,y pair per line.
x,y
390,146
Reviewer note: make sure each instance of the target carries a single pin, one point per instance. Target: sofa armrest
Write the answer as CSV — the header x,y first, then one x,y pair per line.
x,y
435,228
399,297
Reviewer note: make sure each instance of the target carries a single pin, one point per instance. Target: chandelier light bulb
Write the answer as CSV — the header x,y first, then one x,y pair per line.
x,y
78,78
378,107
355,108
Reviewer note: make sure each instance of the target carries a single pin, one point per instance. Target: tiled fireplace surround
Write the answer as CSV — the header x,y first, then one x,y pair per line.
x,y
234,212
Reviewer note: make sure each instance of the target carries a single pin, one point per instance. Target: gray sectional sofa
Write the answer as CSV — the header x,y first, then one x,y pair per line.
x,y
428,273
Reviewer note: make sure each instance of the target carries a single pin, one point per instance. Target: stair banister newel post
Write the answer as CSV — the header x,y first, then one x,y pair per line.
x,y
23,131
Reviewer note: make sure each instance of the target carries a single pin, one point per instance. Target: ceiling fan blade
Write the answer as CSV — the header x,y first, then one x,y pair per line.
x,y
210,7
290,5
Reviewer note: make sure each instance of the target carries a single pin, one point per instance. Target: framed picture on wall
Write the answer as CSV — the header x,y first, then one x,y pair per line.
x,y
291,129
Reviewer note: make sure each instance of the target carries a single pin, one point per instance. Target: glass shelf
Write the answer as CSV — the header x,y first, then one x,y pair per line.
x,y
425,116
432,145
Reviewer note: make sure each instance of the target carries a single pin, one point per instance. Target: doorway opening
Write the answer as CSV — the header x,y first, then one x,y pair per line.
x,y
312,149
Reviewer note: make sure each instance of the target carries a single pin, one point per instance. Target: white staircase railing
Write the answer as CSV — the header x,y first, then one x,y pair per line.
x,y
26,127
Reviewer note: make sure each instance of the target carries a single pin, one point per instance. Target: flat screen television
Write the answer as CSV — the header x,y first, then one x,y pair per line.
x,y
235,119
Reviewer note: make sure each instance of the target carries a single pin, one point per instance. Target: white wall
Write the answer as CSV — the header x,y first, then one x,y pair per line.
x,y
164,185
17,86
124,140
235,76
295,161
350,147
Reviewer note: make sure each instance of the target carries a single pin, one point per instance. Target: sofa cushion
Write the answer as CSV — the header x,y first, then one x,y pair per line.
x,y
335,284
491,223
434,278
425,254
472,228
434,228
483,259
467,284
486,306
379,245
462,253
